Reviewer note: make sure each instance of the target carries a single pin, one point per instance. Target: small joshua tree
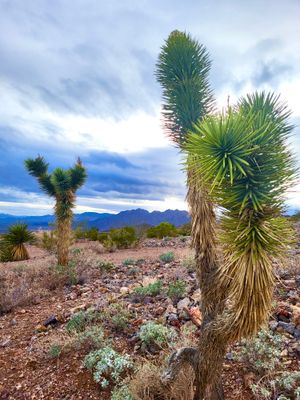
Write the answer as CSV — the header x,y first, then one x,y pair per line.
x,y
62,185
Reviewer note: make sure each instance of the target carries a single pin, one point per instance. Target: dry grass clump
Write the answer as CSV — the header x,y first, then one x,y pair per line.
x,y
23,285
146,384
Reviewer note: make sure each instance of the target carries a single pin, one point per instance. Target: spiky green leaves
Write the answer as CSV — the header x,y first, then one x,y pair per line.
x,y
36,167
12,243
182,70
242,155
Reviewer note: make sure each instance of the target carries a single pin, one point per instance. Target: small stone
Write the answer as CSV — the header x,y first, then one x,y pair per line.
x,y
124,290
288,327
196,296
6,342
78,308
40,329
13,322
182,304
51,321
273,325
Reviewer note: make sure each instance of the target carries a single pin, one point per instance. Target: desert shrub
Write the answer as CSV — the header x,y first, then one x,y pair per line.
x,y
167,257
124,237
55,350
152,333
284,385
152,289
189,263
128,261
68,273
92,337
92,234
48,241
118,315
133,270
261,354
121,393
80,320
176,290
107,365
185,229
162,230
105,265
103,236
12,243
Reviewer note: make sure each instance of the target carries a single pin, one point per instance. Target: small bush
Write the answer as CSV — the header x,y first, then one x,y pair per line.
x,y
49,241
128,261
121,393
185,229
107,364
189,263
92,337
79,321
55,351
153,289
164,229
105,265
152,333
282,384
167,257
12,243
176,290
123,238
261,354
118,315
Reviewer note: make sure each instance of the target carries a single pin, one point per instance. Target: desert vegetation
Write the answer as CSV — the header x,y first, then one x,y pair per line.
x,y
208,310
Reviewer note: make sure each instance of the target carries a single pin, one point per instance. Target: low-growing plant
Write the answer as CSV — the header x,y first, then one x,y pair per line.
x,y
49,241
153,333
129,261
189,263
133,270
152,289
80,320
261,354
76,251
282,385
55,350
105,265
121,393
176,290
118,315
107,365
167,257
92,337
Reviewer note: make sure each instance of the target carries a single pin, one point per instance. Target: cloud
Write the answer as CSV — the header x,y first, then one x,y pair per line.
x,y
80,80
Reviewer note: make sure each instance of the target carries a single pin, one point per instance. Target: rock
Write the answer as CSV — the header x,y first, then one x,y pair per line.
x,y
78,308
273,325
287,327
229,356
13,322
40,328
284,353
172,320
124,290
51,321
182,304
297,333
5,342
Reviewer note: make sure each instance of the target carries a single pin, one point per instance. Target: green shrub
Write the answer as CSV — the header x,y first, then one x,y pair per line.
x,y
107,364
189,263
103,236
12,243
176,290
185,229
152,333
92,337
121,393
55,351
105,265
49,241
281,384
79,321
261,354
128,261
162,230
124,237
153,289
167,257
118,315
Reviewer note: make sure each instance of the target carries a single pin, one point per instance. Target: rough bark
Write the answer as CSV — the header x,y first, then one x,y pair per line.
x,y
63,240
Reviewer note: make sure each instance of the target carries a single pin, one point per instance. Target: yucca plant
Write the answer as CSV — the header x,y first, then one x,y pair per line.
x,y
12,243
62,185
238,161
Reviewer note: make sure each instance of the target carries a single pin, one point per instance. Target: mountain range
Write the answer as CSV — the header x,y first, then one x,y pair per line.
x,y
102,221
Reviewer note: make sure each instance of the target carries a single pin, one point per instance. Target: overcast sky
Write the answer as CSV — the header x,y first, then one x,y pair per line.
x,y
77,78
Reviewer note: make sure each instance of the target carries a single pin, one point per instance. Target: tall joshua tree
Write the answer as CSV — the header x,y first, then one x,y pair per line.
x,y
62,185
237,160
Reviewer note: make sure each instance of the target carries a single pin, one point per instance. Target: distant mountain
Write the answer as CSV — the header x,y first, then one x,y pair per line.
x,y
102,221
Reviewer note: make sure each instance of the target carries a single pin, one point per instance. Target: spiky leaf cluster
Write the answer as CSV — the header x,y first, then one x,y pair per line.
x,y
182,70
61,184
12,243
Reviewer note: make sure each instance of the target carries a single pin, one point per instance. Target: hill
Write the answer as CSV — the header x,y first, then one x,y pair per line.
x,y
102,221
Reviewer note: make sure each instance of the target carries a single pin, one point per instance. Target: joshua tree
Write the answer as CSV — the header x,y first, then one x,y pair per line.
x,y
237,160
12,244
62,185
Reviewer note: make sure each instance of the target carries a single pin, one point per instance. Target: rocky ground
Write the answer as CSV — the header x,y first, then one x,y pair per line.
x,y
32,326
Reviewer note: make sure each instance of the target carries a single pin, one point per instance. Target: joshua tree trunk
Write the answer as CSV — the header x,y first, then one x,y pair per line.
x,y
63,240
210,352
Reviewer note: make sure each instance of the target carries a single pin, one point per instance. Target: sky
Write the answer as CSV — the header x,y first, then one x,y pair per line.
x,y
77,79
